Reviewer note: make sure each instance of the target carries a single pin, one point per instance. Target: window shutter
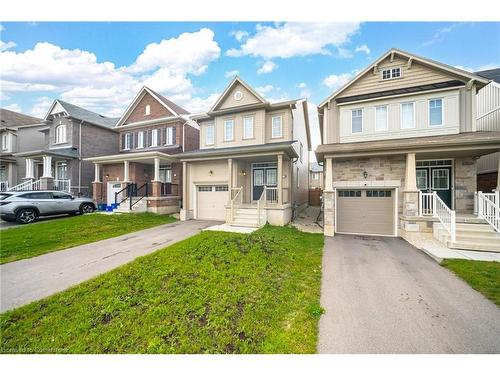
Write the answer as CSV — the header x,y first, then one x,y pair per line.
x,y
150,138
164,132
123,141
174,132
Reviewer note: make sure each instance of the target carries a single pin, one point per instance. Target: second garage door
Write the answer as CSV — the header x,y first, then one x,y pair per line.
x,y
366,211
211,201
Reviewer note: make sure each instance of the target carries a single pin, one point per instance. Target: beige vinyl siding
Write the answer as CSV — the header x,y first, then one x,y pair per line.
x,y
417,75
230,102
451,117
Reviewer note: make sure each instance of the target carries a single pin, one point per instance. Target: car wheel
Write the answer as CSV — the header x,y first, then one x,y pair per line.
x,y
26,216
87,208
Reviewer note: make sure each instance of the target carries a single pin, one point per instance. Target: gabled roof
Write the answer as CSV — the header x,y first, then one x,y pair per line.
x,y
492,74
235,81
168,104
10,118
83,114
424,61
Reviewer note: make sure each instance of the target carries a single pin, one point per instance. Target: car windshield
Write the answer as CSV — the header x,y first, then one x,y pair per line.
x,y
3,196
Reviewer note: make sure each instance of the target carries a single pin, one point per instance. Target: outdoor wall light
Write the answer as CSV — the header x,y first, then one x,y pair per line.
x,y
365,174
211,172
243,172
107,175
284,176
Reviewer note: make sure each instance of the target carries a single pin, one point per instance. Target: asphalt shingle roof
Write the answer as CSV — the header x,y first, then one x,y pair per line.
x,y
171,104
88,116
493,74
11,118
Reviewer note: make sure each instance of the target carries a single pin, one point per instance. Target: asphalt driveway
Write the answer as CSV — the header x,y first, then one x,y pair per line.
x,y
31,279
382,295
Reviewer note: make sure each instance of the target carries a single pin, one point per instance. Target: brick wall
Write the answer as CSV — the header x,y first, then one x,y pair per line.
x,y
192,138
487,182
173,149
157,110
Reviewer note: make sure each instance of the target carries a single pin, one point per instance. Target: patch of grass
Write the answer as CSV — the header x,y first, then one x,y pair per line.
x,y
215,292
482,276
36,239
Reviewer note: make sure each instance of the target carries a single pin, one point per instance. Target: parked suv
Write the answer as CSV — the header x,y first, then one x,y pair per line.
x,y
26,206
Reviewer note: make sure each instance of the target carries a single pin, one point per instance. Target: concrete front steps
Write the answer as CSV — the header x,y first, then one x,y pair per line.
x,y
247,217
469,236
140,206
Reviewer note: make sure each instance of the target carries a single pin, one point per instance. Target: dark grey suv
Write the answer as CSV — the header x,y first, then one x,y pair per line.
x,y
26,206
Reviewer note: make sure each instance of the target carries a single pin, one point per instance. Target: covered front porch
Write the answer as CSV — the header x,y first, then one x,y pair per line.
x,y
145,181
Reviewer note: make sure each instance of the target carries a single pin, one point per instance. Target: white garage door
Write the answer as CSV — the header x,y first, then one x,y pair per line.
x,y
366,211
211,201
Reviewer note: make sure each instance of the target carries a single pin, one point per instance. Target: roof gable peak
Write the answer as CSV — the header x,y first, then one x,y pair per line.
x,y
235,81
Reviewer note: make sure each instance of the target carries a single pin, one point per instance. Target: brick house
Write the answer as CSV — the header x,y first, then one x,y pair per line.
x,y
145,172
400,143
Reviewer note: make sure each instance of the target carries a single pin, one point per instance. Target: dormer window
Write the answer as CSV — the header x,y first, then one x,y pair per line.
x,y
147,110
391,73
61,134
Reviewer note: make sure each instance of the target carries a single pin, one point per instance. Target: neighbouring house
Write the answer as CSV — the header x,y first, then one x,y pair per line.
x,y
145,174
488,118
70,135
400,144
252,166
315,184
18,133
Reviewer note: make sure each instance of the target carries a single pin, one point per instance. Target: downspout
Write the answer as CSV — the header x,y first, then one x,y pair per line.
x,y
80,159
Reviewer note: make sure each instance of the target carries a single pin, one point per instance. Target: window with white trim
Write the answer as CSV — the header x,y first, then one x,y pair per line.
x,y
127,141
229,130
391,73
5,141
435,112
381,122
277,127
209,135
147,110
61,134
169,136
154,137
247,127
140,140
407,115
356,121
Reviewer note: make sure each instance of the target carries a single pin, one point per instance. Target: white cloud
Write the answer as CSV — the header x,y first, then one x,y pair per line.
x,y
439,35
334,81
267,67
231,73
302,85
344,53
195,104
264,89
2,27
40,107
363,48
239,35
295,39
5,46
13,107
80,78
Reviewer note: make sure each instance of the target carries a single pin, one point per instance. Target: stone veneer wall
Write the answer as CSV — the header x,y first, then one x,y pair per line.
x,y
465,184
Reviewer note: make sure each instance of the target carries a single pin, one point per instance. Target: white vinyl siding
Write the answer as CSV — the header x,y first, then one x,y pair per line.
x,y
140,140
407,115
210,135
435,112
229,130
277,127
247,127
356,121
381,119
61,134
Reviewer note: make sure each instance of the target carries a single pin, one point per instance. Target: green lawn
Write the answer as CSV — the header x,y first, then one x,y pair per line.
x,y
215,292
482,276
35,239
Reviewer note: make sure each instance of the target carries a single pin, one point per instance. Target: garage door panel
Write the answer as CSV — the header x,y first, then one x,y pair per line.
x,y
211,201
365,211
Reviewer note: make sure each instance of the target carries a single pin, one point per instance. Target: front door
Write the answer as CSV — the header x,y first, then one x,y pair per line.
x,y
263,175
438,179
114,187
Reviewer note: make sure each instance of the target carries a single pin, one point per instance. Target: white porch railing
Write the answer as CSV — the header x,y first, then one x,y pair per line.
x,y
26,186
494,197
4,185
236,199
271,194
62,185
445,215
426,204
488,209
262,203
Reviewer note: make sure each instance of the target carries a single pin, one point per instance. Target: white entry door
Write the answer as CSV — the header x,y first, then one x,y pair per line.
x,y
114,187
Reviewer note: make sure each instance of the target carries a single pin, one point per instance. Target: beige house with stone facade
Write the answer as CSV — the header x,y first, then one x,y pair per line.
x,y
400,144
252,165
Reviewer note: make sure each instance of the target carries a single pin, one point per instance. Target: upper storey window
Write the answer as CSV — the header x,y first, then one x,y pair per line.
x,y
147,110
5,142
407,115
435,112
356,121
277,127
61,134
248,127
210,135
391,73
228,130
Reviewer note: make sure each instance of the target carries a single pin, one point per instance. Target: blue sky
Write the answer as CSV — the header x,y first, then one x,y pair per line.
x,y
101,66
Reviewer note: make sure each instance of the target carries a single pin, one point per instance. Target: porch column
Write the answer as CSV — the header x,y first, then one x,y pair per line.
x,y
97,177
30,169
47,167
230,173
97,193
185,184
156,183
328,200
125,171
280,179
411,195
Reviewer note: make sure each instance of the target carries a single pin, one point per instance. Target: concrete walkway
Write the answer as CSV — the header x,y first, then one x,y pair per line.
x,y
382,295
31,279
